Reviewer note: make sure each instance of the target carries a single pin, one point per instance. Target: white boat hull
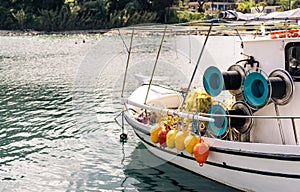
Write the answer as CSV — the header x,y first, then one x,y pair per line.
x,y
245,166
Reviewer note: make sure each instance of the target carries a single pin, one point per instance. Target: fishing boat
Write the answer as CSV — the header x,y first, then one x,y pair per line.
x,y
251,144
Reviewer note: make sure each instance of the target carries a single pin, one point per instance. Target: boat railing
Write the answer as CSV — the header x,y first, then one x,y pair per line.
x,y
204,116
250,116
211,117
169,111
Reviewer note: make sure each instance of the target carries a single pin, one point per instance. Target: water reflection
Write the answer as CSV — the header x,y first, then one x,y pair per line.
x,y
153,174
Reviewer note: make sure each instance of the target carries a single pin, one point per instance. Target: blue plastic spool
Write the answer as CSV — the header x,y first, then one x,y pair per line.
x,y
213,81
256,90
219,126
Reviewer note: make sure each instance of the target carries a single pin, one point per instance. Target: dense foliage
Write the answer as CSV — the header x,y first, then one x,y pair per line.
x,y
59,15
56,15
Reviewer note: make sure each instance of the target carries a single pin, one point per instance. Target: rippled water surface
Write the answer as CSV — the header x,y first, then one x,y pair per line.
x,y
58,100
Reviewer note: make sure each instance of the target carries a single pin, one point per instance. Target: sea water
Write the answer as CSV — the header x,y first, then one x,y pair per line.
x,y
60,94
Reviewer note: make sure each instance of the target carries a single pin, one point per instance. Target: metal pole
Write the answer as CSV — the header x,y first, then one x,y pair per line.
x,y
127,64
157,56
196,67
123,40
280,125
295,131
123,136
190,46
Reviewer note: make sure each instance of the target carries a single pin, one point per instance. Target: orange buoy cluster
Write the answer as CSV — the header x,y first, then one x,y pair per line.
x,y
284,34
166,135
164,132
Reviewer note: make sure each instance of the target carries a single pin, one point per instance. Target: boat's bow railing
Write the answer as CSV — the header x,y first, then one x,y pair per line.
x,y
196,116
214,118
204,116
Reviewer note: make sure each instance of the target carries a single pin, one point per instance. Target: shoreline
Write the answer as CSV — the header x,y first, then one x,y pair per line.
x,y
71,32
108,32
154,29
128,30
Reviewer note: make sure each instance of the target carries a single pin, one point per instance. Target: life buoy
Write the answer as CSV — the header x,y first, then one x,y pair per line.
x,y
284,34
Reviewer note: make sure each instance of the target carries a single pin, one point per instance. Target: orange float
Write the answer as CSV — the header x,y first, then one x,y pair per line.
x,y
154,133
284,34
162,136
201,151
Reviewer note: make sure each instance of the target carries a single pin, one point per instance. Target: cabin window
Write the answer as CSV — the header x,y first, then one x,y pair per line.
x,y
292,59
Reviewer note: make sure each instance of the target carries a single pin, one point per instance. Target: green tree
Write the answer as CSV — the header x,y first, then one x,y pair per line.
x,y
81,14
260,7
284,4
245,6
20,16
162,8
296,4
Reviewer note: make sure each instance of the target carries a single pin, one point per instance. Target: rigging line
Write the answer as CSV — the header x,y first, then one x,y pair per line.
x,y
198,61
279,125
123,41
295,131
123,136
175,43
127,64
242,43
237,31
190,46
154,67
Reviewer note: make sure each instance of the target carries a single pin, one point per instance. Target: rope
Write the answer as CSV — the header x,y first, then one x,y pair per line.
x,y
123,40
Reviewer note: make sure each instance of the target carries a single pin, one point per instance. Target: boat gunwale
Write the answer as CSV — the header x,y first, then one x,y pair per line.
x,y
254,154
223,165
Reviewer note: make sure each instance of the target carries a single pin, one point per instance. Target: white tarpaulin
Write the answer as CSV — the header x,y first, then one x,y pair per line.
x,y
286,15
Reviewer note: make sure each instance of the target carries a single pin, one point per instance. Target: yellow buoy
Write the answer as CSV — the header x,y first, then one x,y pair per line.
x,y
154,133
190,141
179,140
171,138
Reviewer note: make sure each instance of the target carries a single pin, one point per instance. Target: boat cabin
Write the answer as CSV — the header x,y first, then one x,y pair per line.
x,y
272,54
